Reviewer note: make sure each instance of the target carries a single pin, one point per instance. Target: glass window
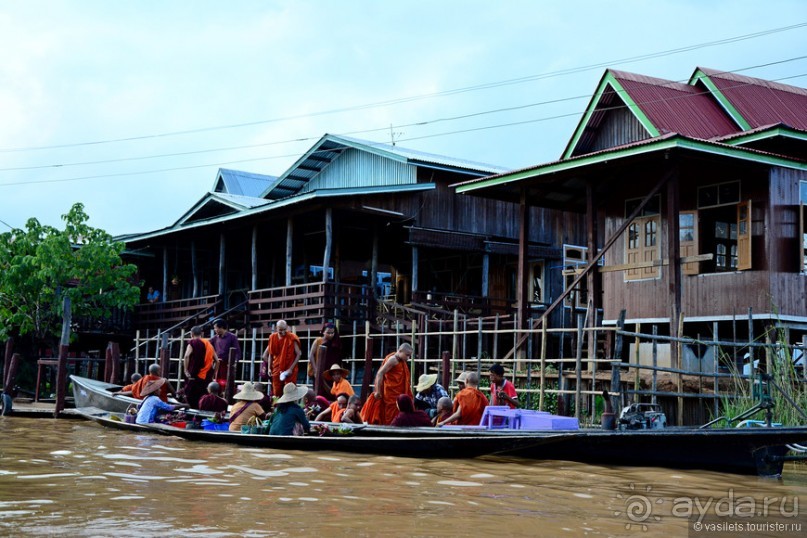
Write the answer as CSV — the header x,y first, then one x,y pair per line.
x,y
719,194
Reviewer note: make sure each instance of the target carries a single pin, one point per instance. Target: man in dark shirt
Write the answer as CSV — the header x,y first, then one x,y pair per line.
x,y
224,342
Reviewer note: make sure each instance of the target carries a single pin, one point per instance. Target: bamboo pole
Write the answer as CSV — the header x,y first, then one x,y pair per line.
x,y
543,367
636,377
655,364
578,366
715,353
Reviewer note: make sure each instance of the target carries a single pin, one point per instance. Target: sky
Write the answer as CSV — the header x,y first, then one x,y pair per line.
x,y
132,107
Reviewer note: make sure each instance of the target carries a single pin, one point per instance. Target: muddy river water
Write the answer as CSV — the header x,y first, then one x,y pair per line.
x,y
75,478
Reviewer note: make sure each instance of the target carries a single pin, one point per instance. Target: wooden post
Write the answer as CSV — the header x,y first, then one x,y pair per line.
x,y
164,293
61,370
222,274
454,339
655,365
496,338
637,379
11,373
616,382
448,374
485,274
751,378
7,360
195,292
578,367
592,280
374,266
415,263
289,249
679,376
715,351
543,368
108,363
254,257
165,358
229,390
412,358
368,362
326,258
479,347
522,299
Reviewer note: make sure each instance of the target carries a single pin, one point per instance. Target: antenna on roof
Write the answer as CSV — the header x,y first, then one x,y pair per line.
x,y
393,135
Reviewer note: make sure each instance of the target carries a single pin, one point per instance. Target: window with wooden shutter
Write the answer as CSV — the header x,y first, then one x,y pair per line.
x,y
744,235
688,239
642,248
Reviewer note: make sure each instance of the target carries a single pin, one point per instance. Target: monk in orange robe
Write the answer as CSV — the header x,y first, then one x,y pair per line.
x,y
153,375
391,381
469,405
281,357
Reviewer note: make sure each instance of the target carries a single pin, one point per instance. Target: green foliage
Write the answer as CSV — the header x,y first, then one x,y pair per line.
x,y
41,264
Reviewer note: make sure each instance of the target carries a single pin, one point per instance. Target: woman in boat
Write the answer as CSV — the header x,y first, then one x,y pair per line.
x,y
325,352
246,408
152,404
408,416
289,418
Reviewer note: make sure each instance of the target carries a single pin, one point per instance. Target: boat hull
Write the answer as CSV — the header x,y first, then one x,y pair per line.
x,y
741,451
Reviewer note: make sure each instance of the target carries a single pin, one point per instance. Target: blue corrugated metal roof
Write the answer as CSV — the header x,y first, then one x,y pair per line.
x,y
329,147
242,183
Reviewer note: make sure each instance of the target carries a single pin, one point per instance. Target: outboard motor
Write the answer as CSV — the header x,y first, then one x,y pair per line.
x,y
641,416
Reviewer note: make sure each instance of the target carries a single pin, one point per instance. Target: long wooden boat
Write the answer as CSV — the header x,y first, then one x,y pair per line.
x,y
740,450
93,393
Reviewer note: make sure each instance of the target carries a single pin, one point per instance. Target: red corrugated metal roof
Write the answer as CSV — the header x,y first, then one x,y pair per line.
x,y
762,102
674,107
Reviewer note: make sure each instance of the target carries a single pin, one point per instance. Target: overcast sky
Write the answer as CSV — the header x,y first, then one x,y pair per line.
x,y
115,81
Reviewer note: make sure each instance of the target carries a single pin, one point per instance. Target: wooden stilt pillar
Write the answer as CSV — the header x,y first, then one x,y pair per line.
x,y
222,274
326,257
61,369
193,270
289,249
254,253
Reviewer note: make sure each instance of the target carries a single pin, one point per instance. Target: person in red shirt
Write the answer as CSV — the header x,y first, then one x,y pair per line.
x,y
502,391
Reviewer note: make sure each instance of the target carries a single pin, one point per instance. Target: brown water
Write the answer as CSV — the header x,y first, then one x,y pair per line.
x,y
75,478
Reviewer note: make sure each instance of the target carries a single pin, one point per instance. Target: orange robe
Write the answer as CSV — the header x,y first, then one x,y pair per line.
x,y
396,382
141,383
282,351
343,387
336,412
473,404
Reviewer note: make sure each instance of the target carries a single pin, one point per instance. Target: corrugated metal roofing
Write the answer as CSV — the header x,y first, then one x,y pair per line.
x,y
330,147
240,183
762,102
673,107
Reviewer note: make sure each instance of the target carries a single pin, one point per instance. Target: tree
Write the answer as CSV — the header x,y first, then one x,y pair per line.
x,y
41,264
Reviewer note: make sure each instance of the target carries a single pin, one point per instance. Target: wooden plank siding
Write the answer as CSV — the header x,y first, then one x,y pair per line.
x,y
772,283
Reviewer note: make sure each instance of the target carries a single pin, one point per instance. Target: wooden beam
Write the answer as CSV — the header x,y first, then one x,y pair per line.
x,y
414,270
193,270
485,274
221,263
254,252
593,281
374,263
652,263
164,291
522,299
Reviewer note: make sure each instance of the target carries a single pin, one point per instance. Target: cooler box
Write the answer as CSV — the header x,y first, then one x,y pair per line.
x,y
502,417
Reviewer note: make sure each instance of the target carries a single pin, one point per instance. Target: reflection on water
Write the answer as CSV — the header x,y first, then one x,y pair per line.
x,y
74,478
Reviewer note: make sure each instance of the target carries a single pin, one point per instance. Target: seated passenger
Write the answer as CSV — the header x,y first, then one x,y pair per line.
x,y
288,418
444,409
334,411
153,375
134,379
352,414
408,416
336,382
152,405
246,408
313,405
212,401
428,392
469,405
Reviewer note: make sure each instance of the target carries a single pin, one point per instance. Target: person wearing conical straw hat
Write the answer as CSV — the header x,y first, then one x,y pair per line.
x,y
152,404
336,382
289,416
246,407
428,392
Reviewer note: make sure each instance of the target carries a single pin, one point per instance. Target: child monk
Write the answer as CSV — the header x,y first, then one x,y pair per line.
x,y
444,409
352,414
469,405
334,412
336,382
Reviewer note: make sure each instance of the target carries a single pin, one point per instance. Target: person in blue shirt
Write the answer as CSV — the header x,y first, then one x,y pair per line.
x,y
153,295
152,404
289,418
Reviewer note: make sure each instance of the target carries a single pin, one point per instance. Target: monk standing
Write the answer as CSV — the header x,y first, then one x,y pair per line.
x,y
281,357
469,405
391,381
199,362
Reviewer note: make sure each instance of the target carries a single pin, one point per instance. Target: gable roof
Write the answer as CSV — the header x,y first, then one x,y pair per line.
x,y
240,183
330,147
712,105
757,102
216,204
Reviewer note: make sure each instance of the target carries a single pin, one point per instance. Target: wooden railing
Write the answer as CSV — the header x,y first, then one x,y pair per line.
x,y
166,314
470,305
309,304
